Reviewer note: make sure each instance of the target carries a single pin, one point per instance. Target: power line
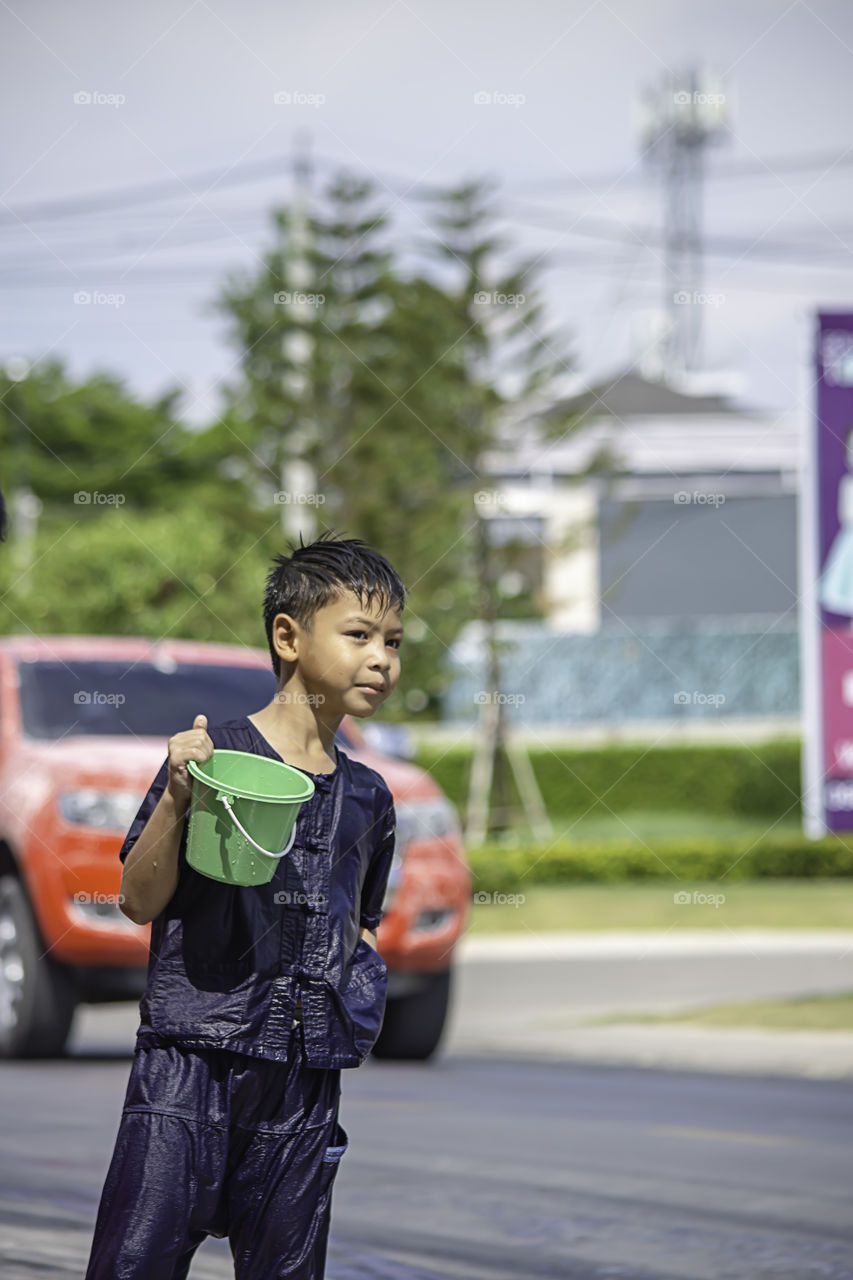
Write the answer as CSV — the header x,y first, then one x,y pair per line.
x,y
183,274
184,187
829,160
515,211
717,245
785,253
147,193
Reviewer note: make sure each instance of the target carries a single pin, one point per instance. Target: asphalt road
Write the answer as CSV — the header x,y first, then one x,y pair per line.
x,y
488,1169
490,1164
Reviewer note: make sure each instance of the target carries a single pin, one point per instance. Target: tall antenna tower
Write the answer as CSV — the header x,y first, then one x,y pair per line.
x,y
679,117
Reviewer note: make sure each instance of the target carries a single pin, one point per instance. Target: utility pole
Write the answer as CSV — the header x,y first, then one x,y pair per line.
x,y
679,118
298,478
488,774
25,506
488,807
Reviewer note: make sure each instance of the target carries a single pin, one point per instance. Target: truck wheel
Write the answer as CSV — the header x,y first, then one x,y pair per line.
x,y
37,997
413,1024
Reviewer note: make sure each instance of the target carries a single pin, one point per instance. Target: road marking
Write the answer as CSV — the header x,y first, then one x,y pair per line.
x,y
725,1135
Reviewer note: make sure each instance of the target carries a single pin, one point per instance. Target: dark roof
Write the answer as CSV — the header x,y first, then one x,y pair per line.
x,y
628,393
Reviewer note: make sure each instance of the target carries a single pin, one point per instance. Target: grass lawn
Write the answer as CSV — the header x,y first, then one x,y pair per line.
x,y
649,825
814,1013
749,904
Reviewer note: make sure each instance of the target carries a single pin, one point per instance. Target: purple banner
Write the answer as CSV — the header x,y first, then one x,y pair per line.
x,y
834,495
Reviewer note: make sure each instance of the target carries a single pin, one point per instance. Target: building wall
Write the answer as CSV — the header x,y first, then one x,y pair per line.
x,y
639,672
690,560
670,585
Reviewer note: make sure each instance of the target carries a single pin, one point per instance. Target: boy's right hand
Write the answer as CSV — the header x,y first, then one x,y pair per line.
x,y
194,744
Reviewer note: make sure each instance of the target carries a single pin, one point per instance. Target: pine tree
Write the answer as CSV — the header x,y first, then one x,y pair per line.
x,y
358,386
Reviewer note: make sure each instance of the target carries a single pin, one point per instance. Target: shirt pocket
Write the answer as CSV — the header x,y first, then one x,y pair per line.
x,y
207,1000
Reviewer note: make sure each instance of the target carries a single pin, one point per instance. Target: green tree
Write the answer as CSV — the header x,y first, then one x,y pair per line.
x,y
135,516
354,383
150,573
62,437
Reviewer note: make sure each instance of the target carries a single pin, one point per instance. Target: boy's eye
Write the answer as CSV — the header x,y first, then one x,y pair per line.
x,y
395,641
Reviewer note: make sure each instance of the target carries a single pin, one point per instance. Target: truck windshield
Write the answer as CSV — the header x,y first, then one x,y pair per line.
x,y
139,698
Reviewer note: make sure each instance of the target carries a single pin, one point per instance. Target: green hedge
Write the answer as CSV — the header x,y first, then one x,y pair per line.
x,y
501,869
763,780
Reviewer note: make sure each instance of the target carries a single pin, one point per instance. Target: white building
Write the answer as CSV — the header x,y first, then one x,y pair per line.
x,y
697,521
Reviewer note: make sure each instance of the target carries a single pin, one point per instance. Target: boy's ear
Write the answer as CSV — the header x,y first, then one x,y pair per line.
x,y
285,636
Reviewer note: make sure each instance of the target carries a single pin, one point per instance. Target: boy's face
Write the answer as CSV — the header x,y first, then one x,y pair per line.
x,y
350,656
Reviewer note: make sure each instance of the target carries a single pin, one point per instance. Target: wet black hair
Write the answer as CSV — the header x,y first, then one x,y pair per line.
x,y
315,575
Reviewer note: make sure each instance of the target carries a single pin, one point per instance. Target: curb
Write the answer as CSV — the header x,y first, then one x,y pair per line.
x,y
672,942
814,1055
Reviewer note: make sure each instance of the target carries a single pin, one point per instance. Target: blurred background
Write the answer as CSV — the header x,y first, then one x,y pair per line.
x,y
526,298
545,342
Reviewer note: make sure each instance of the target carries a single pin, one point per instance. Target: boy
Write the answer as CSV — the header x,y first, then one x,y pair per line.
x,y
257,997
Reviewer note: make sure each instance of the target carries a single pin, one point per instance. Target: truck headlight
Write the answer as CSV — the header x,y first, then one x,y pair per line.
x,y
424,820
110,810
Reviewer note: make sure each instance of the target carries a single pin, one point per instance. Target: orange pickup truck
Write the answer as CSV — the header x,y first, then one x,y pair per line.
x,y
84,723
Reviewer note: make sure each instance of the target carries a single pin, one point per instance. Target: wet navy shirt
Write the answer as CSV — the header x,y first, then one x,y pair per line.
x,y
228,964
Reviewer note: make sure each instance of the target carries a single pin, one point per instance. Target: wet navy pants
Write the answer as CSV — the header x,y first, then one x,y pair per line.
x,y
218,1143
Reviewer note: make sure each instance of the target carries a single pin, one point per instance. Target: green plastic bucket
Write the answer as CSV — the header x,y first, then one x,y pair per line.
x,y
242,816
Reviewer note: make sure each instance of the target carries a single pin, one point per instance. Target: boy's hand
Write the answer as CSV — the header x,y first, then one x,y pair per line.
x,y
194,744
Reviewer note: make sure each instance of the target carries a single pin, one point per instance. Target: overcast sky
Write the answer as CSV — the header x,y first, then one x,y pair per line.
x,y
389,88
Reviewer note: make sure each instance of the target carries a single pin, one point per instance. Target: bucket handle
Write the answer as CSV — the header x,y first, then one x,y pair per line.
x,y
243,832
